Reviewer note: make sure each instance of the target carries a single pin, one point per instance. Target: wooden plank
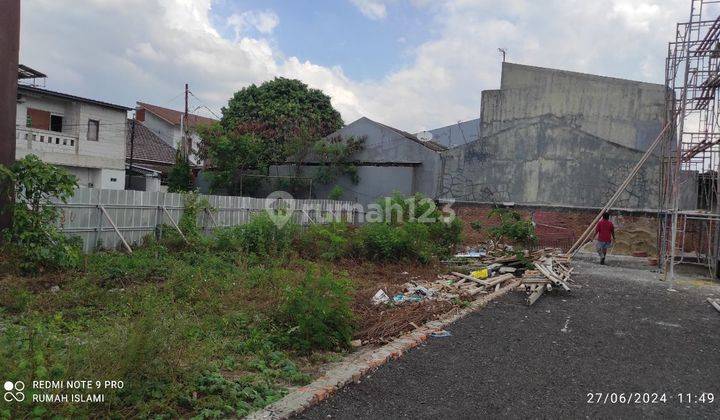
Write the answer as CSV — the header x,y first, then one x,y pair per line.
x,y
471,278
499,279
552,277
535,295
714,303
112,223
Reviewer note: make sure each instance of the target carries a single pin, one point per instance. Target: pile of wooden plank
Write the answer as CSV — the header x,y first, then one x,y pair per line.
x,y
551,272
550,268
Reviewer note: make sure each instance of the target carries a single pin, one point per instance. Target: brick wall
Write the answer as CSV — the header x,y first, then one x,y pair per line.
x,y
561,226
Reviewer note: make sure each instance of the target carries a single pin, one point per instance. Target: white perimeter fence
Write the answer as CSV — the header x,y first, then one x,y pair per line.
x,y
114,219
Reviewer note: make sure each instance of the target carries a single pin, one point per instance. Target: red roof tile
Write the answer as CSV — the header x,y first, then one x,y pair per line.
x,y
174,117
148,147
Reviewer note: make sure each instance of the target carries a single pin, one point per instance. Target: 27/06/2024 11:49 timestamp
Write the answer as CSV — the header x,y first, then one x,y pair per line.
x,y
649,398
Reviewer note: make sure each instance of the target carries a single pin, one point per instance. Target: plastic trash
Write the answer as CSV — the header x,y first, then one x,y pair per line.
x,y
380,297
399,298
480,274
441,334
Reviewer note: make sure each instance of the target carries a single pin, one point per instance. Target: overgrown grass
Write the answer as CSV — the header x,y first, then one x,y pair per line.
x,y
214,328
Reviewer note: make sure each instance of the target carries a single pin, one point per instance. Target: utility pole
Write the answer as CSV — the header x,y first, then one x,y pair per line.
x,y
9,51
132,148
186,135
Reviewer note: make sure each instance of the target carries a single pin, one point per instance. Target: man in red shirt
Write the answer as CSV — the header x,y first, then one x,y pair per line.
x,y
605,235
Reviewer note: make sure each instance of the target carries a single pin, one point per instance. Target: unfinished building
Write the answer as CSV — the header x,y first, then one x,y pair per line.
x,y
562,138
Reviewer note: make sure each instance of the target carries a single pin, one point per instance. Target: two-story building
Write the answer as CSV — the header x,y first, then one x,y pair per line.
x,y
168,124
84,136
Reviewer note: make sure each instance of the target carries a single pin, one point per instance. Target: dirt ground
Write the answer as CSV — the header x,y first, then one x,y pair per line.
x,y
620,331
379,324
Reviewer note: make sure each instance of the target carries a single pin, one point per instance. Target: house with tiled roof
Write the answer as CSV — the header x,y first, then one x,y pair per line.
x,y
167,124
147,156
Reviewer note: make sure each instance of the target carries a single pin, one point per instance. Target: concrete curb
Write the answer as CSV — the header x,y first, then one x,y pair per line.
x,y
358,364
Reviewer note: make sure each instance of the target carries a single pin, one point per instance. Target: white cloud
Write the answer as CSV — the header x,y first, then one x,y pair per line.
x,y
263,21
373,9
147,49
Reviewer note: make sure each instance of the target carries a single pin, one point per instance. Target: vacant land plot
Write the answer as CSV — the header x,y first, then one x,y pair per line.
x,y
621,331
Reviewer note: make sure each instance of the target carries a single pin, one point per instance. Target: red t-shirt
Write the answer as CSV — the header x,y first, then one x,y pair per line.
x,y
605,230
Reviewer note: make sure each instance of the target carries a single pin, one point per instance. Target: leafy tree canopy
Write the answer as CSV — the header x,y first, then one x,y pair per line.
x,y
277,121
279,109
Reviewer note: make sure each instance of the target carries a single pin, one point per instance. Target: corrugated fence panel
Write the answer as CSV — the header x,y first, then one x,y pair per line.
x,y
139,214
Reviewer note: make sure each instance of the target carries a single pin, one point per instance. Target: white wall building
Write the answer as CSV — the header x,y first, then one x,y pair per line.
x,y
84,136
168,125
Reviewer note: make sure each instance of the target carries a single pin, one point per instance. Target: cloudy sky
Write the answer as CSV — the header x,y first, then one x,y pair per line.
x,y
414,64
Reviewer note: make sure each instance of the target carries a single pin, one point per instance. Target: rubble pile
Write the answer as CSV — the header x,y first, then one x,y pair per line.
x,y
540,271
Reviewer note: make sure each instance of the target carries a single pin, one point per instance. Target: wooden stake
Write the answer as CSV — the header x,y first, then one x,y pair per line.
x,y
129,250
167,213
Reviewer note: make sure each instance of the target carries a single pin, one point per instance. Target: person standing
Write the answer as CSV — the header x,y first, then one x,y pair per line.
x,y
605,231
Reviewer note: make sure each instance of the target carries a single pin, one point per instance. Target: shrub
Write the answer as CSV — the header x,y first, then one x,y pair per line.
x,y
194,204
512,227
34,236
317,313
260,236
412,228
328,242
336,193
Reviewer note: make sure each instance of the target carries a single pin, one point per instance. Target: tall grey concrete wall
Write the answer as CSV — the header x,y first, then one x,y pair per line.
x,y
547,162
625,112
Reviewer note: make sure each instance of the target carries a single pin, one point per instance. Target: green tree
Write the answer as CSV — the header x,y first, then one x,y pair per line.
x,y
277,121
34,236
180,178
280,109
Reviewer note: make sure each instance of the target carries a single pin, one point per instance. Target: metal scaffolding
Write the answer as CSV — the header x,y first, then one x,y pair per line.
x,y
689,217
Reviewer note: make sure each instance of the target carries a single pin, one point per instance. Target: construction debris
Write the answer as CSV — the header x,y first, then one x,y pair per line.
x,y
715,303
380,297
540,271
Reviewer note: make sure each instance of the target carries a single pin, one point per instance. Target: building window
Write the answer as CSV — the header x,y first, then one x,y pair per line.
x,y
93,128
56,123
37,118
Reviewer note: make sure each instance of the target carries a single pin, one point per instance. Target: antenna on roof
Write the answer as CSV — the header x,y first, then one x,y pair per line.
x,y
503,51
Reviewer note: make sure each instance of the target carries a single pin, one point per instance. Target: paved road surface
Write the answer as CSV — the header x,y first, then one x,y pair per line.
x,y
620,332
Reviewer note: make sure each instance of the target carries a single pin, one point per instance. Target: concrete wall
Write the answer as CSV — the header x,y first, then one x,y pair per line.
x,y
626,112
388,162
375,182
546,162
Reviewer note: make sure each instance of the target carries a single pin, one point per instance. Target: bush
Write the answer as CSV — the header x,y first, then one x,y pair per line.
x,y
317,313
329,242
260,236
512,227
412,228
194,204
34,237
336,193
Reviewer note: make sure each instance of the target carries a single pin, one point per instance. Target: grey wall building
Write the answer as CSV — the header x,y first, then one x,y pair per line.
x,y
625,112
545,137
391,161
562,138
